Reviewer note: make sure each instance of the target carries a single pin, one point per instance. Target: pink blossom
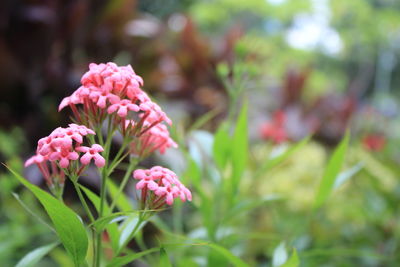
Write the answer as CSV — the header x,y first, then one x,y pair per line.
x,y
92,153
36,159
64,156
123,107
157,138
56,151
163,184
114,89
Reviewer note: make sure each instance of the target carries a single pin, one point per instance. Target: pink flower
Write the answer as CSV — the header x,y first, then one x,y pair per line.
x,y
154,113
163,186
63,156
156,138
146,180
56,151
123,107
36,159
92,153
110,88
275,130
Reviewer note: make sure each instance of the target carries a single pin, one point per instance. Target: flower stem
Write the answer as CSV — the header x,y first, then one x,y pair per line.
x,y
83,201
128,172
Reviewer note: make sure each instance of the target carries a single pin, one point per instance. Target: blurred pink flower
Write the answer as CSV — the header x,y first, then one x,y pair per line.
x,y
274,130
156,138
374,142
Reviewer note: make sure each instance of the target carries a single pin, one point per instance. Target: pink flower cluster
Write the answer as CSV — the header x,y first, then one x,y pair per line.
x,y
61,147
162,185
155,138
108,88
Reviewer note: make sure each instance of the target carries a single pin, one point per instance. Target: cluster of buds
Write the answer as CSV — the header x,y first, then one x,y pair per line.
x,y
159,186
58,151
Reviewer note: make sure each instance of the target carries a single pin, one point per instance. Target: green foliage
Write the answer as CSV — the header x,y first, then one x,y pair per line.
x,y
331,172
33,257
66,222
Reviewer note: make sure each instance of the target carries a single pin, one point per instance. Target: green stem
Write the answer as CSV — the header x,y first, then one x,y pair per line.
x,y
140,221
125,180
101,213
83,201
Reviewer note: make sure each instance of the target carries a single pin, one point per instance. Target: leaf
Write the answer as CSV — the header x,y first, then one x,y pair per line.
x,y
293,260
280,255
123,202
66,222
240,147
36,255
221,146
331,172
236,261
129,228
247,205
32,212
204,119
347,174
164,259
112,229
272,162
120,261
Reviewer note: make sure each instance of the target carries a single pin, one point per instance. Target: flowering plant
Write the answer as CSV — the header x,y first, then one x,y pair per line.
x,y
110,102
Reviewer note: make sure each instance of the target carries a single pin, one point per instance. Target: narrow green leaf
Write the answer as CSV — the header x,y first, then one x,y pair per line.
x,y
16,196
228,255
123,202
293,260
36,255
240,147
204,119
120,261
274,161
347,174
66,222
112,229
222,145
331,172
164,259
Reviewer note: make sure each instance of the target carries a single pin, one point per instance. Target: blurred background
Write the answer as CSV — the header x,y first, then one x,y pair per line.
x,y
308,67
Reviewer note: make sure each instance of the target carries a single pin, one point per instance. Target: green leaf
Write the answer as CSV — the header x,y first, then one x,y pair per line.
x,y
228,255
222,145
331,172
123,202
36,255
293,260
240,147
112,229
16,196
204,119
66,222
347,174
272,162
164,259
120,261
129,228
